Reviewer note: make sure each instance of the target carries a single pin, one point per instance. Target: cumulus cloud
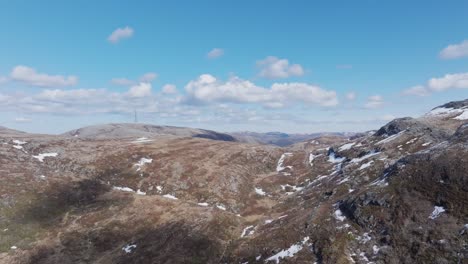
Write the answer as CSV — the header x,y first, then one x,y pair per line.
x,y
22,120
351,96
169,89
30,76
444,83
374,101
148,77
417,90
140,90
449,81
3,79
206,88
119,34
215,53
455,51
274,68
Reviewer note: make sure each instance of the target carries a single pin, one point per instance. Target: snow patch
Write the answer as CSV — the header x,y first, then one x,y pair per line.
x,y
437,211
248,231
339,215
41,156
259,191
346,146
142,140
390,138
290,252
169,196
123,189
280,166
366,165
372,153
463,116
129,248
142,162
221,207
203,204
334,159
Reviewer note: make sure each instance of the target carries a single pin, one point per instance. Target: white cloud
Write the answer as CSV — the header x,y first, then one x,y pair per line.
x,y
455,51
351,96
418,90
148,77
273,68
22,120
215,53
374,101
120,33
208,89
3,79
169,89
31,77
447,82
145,78
140,90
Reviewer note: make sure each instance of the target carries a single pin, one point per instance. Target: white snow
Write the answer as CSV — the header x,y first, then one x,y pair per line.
x,y
159,188
437,211
364,239
333,159
295,188
463,116
142,162
17,147
366,165
129,248
411,141
346,146
170,197
142,140
13,247
280,166
203,204
259,191
139,192
426,144
312,157
248,231
339,215
268,221
444,111
124,189
357,160
375,249
390,138
221,207
290,252
19,142
41,156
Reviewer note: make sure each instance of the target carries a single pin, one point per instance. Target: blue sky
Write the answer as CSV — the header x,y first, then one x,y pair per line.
x,y
292,66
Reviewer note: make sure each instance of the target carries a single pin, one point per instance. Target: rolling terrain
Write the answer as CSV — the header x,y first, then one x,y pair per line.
x,y
133,193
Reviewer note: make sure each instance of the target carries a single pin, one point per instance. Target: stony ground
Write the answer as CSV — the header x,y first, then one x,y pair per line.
x,y
395,195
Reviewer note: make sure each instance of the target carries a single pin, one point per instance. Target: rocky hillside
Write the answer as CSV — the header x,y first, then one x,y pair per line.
x,y
397,195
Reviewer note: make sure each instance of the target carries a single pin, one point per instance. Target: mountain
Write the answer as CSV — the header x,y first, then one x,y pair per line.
x,y
279,138
128,130
395,195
